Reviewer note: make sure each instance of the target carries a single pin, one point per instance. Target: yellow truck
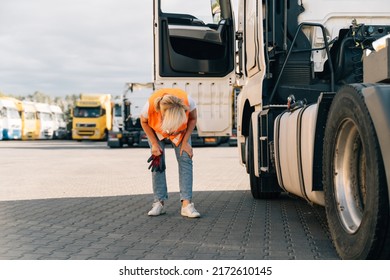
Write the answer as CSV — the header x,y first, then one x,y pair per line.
x,y
92,117
29,120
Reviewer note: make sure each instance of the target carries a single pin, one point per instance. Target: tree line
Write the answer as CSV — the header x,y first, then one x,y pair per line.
x,y
65,103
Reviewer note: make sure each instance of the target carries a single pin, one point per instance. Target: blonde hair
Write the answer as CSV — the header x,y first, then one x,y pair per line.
x,y
174,112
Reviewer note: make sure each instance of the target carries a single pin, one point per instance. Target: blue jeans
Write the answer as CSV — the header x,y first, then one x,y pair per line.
x,y
159,180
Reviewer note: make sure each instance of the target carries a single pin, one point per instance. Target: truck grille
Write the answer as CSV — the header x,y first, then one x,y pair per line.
x,y
86,132
86,125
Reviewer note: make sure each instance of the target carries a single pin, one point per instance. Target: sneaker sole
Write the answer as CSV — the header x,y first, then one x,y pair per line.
x,y
152,215
187,216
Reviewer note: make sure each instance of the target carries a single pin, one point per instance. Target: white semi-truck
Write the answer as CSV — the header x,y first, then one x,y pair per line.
x,y
45,121
10,120
313,113
59,131
126,126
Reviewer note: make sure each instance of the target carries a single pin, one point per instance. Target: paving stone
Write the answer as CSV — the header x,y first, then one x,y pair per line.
x,y
102,214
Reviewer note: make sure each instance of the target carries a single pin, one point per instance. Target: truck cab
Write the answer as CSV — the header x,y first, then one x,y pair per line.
x,y
59,122
312,112
92,117
126,128
11,122
29,120
45,121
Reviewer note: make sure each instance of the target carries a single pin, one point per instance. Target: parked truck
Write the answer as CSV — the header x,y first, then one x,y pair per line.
x,y
92,117
313,117
126,128
10,120
60,131
45,121
30,125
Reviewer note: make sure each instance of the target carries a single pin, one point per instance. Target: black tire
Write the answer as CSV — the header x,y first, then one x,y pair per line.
x,y
105,136
259,184
356,199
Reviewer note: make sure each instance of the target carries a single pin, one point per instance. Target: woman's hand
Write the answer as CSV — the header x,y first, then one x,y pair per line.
x,y
186,147
156,150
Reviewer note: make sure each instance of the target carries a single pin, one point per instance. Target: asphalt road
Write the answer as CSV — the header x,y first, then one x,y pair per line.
x,y
82,200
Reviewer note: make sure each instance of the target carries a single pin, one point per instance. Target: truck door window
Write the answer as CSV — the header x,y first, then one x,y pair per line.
x,y
199,9
117,110
195,38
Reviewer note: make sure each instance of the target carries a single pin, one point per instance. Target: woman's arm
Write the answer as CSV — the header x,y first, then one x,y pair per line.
x,y
185,146
156,150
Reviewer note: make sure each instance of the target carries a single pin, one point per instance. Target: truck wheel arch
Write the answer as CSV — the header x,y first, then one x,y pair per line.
x,y
246,118
245,124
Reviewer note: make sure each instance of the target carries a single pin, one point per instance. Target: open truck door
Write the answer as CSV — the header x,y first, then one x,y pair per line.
x,y
194,50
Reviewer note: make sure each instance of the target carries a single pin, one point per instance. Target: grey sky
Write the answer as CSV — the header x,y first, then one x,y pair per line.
x,y
62,47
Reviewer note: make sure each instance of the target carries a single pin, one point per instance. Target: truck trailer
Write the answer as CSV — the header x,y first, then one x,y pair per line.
x,y
313,112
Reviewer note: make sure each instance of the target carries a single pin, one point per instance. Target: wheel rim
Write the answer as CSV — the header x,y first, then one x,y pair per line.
x,y
349,176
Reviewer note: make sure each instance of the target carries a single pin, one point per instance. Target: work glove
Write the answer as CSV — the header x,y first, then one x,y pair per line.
x,y
157,163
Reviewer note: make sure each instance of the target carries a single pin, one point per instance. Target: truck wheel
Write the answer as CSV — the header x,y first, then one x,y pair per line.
x,y
356,199
258,184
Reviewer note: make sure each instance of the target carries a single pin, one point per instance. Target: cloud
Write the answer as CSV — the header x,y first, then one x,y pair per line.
x,y
62,47
66,46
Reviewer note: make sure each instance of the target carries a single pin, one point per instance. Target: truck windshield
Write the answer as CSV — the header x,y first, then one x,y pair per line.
x,y
29,115
44,116
87,112
59,117
13,113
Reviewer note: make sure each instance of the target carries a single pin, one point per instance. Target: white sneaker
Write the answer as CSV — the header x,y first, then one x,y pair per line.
x,y
190,211
157,209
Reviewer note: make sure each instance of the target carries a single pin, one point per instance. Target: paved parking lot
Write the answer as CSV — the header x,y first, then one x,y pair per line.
x,y
81,200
